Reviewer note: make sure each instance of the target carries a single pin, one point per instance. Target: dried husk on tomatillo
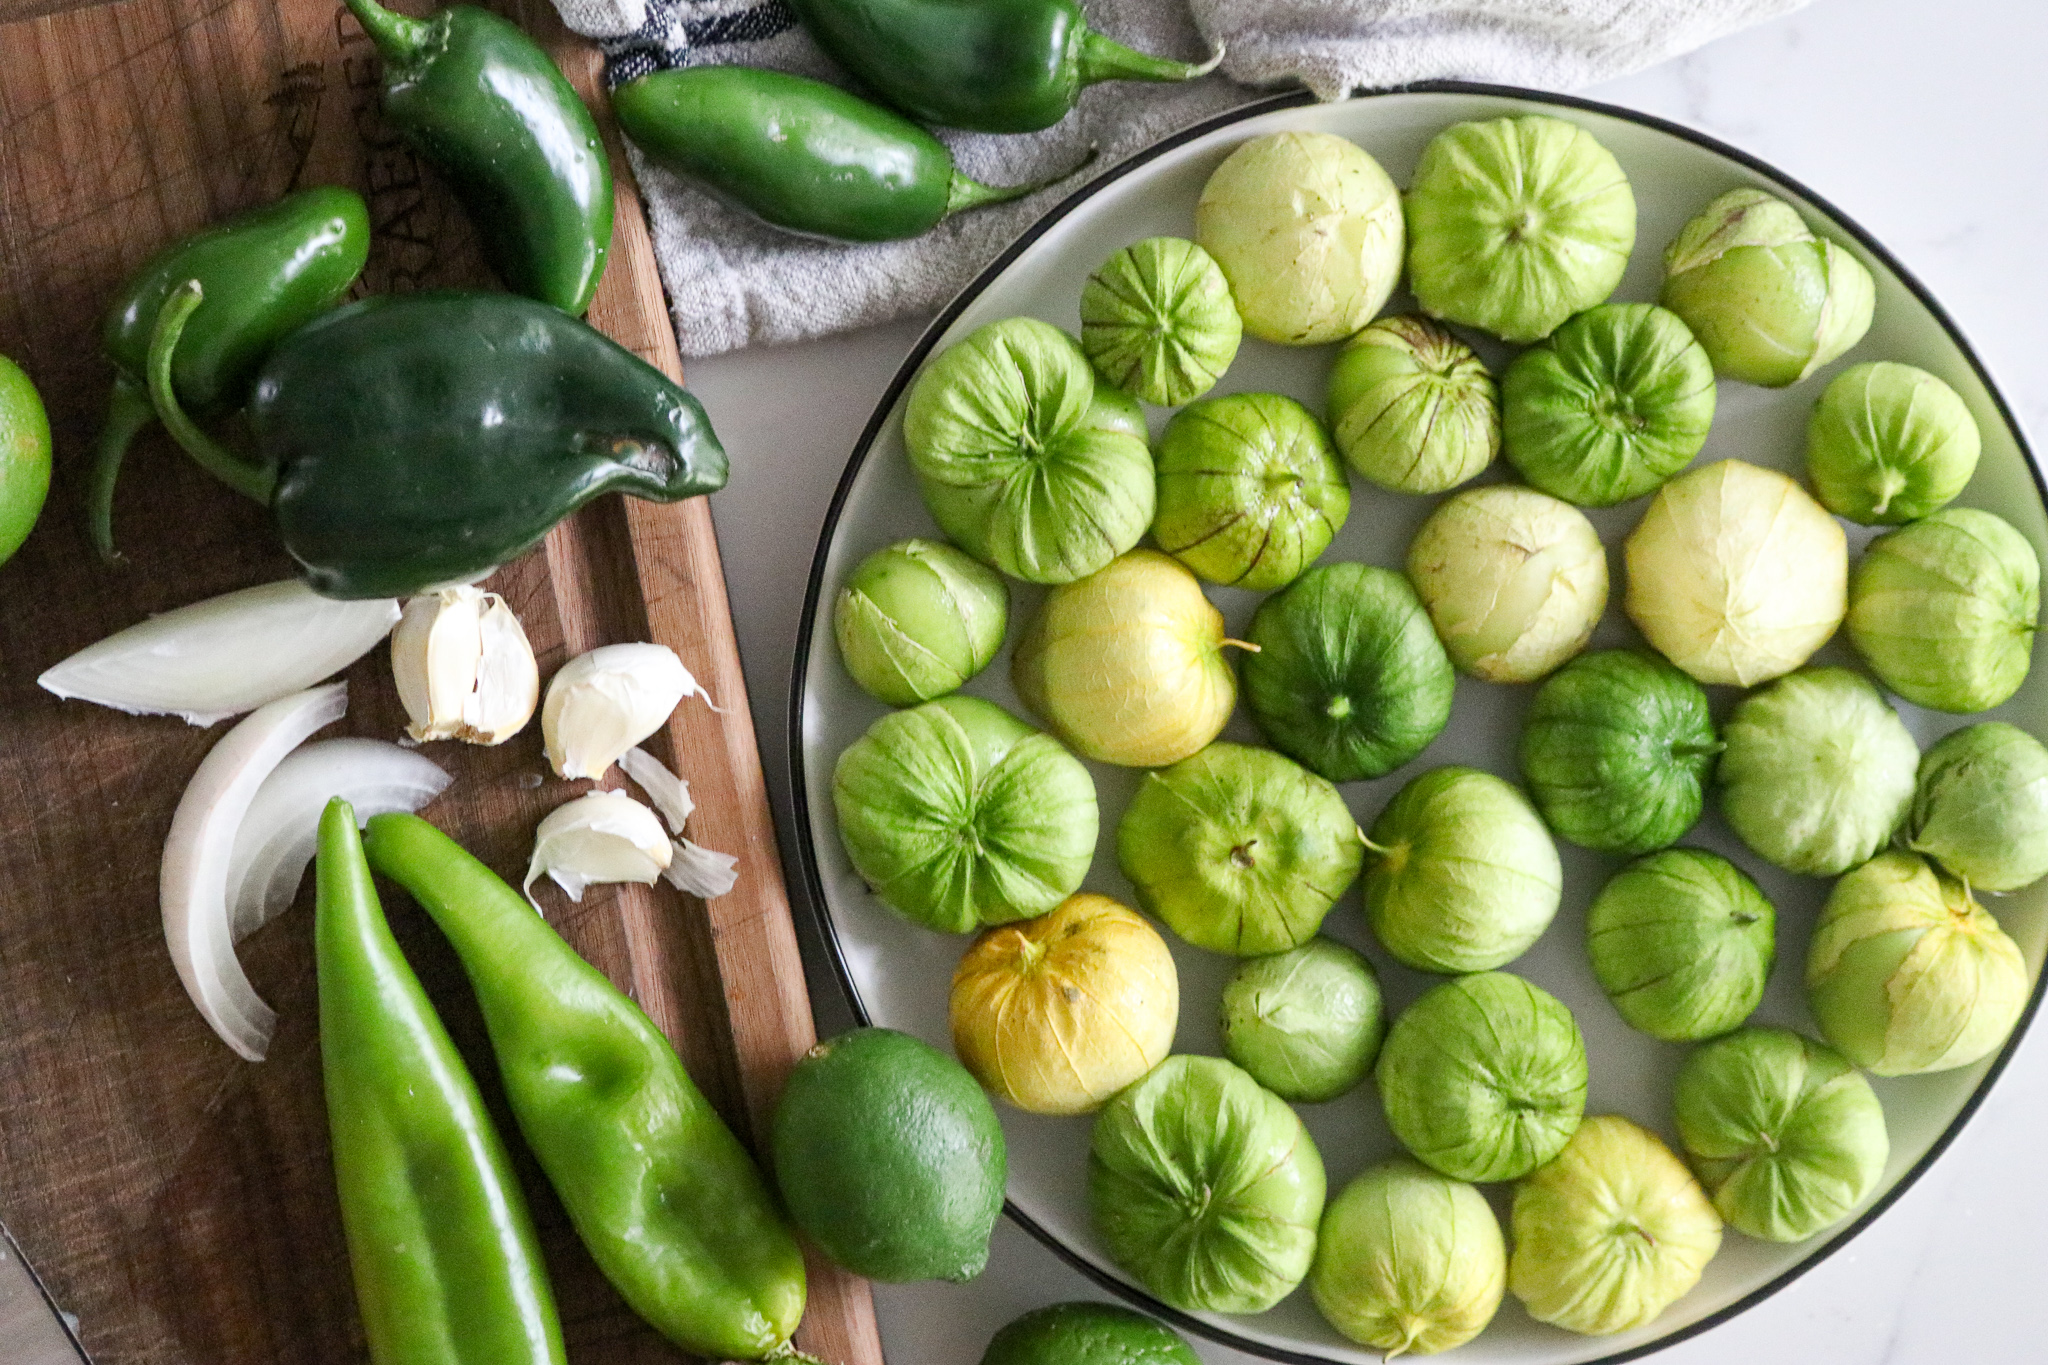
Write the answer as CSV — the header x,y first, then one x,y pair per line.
x,y
1980,807
1907,973
1617,749
1127,665
959,815
1736,574
1238,849
1817,771
1058,1013
1000,432
1515,224
1307,229
1484,1077
1611,1233
1347,677
1615,402
1158,322
1787,1137
1408,1261
917,619
1460,874
1250,490
1514,580
1889,443
1770,301
1682,942
1412,408
1945,610
1306,1023
1206,1187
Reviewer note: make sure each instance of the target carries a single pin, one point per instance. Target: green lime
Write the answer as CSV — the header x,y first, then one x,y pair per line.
x,y
890,1158
1087,1334
24,457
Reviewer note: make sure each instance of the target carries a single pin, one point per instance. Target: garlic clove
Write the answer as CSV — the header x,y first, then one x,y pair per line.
x,y
600,837
603,703
463,667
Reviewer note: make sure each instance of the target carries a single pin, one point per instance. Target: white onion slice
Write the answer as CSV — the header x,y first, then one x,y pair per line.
x,y
666,792
198,851
276,841
225,655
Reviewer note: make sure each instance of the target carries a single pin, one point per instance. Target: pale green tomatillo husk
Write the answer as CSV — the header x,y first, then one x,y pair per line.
x,y
1413,409
1980,808
1907,973
1408,1261
1889,443
917,619
1158,322
1306,1023
1682,942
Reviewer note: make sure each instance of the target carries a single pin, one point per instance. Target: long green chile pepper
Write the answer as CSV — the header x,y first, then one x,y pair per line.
x,y
447,1268
996,66
490,111
672,1208
801,154
410,440
265,273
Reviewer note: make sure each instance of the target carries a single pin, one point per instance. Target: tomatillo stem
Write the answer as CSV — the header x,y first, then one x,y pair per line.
x,y
251,481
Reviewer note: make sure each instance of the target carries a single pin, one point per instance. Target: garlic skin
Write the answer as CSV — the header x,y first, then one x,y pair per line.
x,y
603,703
463,667
694,870
600,837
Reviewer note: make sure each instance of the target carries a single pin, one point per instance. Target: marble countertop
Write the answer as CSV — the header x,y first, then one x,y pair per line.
x,y
1928,125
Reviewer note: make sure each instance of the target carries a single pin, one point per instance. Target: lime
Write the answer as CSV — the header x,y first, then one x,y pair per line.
x,y
890,1158
24,457
1087,1334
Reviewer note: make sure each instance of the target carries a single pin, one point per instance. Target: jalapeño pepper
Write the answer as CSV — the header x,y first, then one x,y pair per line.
x,y
447,1268
410,440
996,66
801,154
674,1211
489,110
265,273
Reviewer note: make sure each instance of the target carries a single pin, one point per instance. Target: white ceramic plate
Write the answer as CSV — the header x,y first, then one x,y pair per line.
x,y
898,973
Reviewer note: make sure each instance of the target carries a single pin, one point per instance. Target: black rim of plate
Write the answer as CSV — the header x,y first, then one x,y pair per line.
x,y
807,856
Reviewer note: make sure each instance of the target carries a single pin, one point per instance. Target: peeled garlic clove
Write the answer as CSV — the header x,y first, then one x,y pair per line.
x,y
463,667
604,836
605,702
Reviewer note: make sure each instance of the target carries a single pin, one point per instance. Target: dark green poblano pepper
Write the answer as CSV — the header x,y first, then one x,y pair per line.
x,y
996,66
801,154
266,273
447,1268
411,440
490,111
674,1211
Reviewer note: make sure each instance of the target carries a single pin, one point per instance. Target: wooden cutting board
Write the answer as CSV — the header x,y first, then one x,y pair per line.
x,y
178,1200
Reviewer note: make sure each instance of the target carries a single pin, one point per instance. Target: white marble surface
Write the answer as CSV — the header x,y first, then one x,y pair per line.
x,y
1928,124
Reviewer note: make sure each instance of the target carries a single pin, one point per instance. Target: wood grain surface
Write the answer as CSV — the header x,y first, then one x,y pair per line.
x,y
175,1198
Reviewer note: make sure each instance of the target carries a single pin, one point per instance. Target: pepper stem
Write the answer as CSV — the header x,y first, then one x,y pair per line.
x,y
128,412
1105,59
965,193
399,37
249,480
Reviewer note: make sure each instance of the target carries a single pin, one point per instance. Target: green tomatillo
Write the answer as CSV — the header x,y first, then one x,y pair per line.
x,y
1347,676
917,619
1412,407
1238,849
1157,321
1945,609
1786,1135
1306,1023
1980,807
1515,224
1250,490
1682,942
1889,443
1617,748
1769,300
1615,402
